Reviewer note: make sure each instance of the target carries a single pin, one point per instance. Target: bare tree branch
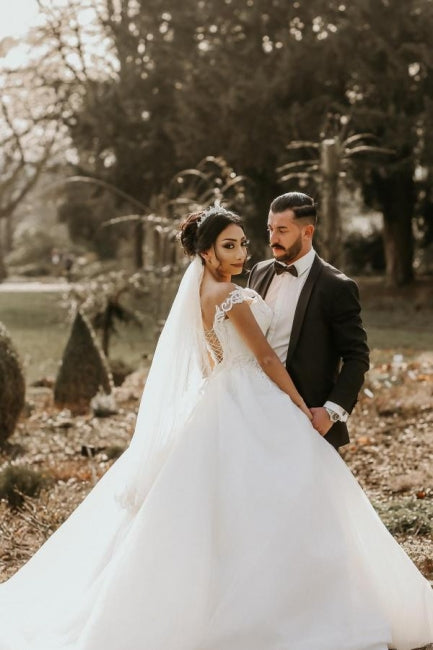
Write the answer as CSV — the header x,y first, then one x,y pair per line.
x,y
14,132
11,203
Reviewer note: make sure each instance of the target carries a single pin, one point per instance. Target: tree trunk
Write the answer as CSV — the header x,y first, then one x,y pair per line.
x,y
329,230
397,197
3,271
8,234
398,244
139,244
107,327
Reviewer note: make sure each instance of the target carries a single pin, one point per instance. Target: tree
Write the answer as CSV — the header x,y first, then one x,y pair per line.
x,y
150,87
118,93
337,156
30,136
143,112
23,158
371,60
389,87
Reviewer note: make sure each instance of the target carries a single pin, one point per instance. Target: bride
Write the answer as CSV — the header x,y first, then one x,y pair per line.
x,y
229,523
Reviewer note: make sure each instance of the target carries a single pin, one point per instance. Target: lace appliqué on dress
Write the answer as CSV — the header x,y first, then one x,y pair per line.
x,y
234,298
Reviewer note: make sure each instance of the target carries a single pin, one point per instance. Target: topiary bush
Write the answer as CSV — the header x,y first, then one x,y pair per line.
x,y
12,386
16,482
84,369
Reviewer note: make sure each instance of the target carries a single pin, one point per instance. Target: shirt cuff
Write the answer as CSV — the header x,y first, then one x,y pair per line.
x,y
343,415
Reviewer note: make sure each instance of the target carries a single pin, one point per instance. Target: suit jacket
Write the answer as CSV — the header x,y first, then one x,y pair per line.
x,y
328,354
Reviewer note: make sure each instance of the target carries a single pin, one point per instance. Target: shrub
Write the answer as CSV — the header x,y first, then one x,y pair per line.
x,y
17,482
12,386
84,369
364,253
407,516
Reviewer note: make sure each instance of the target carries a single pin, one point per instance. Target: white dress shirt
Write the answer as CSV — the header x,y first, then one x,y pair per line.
x,y
282,296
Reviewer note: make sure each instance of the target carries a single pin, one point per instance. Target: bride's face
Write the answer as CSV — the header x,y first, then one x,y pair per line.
x,y
228,254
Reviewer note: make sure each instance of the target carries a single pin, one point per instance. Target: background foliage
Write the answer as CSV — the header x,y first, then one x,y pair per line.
x,y
136,90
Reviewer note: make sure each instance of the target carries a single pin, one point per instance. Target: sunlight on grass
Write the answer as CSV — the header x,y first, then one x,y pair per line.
x,y
399,329
39,329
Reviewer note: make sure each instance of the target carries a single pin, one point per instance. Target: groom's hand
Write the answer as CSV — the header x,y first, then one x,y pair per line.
x,y
321,421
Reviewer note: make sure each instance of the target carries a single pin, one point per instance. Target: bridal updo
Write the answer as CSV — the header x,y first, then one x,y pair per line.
x,y
200,230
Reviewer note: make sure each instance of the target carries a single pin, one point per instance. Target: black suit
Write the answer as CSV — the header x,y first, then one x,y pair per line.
x,y
328,353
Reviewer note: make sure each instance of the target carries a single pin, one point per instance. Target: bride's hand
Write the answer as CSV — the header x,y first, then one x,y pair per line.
x,y
304,408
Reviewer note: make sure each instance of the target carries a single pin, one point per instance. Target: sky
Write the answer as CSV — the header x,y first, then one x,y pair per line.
x,y
16,16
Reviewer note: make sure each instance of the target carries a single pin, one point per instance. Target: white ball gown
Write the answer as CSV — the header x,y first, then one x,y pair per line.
x,y
252,534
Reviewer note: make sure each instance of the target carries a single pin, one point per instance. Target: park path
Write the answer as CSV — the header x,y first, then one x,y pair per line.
x,y
33,286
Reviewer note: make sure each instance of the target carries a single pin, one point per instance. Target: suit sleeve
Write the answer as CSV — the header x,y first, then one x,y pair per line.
x,y
350,339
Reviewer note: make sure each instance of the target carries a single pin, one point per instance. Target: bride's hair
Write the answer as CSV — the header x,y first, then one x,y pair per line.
x,y
200,230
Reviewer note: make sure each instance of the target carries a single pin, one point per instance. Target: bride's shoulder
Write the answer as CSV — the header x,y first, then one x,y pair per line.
x,y
220,296
227,294
224,289
229,288
234,294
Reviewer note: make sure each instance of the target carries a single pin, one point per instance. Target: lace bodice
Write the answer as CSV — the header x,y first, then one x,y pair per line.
x,y
223,341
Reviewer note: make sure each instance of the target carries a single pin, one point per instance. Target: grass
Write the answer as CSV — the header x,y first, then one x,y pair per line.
x,y
398,318
402,327
39,329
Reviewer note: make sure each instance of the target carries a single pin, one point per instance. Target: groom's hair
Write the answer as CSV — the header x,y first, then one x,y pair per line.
x,y
302,206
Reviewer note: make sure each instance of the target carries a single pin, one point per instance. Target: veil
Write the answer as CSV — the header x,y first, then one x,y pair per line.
x,y
179,367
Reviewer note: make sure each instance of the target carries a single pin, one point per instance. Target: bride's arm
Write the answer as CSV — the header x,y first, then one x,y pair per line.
x,y
242,318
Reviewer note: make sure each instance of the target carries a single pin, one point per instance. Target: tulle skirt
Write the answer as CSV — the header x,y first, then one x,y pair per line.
x,y
254,535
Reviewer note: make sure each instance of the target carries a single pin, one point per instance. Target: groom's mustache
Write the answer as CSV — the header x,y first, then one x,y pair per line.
x,y
280,248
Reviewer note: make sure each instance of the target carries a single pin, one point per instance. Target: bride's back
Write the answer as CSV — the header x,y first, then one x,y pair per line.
x,y
212,294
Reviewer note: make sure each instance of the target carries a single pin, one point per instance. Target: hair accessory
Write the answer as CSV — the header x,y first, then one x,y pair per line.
x,y
216,208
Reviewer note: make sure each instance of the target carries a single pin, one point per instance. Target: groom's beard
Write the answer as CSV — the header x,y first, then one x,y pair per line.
x,y
287,255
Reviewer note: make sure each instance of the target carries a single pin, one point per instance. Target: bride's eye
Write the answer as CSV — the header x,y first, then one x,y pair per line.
x,y
246,243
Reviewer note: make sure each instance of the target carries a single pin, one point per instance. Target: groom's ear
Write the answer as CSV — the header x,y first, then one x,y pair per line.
x,y
309,231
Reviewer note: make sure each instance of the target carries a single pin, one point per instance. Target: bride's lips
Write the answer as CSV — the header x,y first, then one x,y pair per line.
x,y
238,266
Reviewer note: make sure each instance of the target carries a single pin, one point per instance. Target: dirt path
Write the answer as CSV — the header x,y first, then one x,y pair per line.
x,y
34,286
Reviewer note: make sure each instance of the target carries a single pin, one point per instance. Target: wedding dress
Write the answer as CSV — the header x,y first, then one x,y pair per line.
x,y
247,531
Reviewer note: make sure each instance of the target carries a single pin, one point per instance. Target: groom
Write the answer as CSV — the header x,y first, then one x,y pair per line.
x,y
316,329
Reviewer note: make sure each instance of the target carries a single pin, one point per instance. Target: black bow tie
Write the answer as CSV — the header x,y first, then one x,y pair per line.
x,y
283,268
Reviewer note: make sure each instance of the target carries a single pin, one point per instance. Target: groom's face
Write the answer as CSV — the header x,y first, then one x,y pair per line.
x,y
287,237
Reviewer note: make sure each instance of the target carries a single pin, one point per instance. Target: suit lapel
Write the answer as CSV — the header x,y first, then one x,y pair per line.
x,y
264,280
301,307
